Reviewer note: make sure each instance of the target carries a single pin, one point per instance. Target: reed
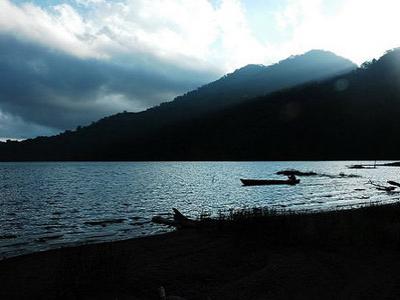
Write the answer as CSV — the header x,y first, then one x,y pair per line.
x,y
374,224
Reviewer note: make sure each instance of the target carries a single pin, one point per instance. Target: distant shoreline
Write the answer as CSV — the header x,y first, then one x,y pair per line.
x,y
385,164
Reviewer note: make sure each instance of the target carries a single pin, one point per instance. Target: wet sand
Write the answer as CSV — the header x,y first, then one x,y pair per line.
x,y
317,262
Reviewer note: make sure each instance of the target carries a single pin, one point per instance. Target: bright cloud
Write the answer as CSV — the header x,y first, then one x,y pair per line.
x,y
61,29
201,34
357,29
191,33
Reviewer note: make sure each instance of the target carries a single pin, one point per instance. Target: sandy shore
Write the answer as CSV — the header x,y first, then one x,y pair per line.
x,y
222,264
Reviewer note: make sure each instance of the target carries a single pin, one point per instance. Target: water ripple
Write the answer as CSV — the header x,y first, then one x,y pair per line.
x,y
50,205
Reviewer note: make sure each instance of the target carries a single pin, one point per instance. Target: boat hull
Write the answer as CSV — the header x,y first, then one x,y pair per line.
x,y
268,182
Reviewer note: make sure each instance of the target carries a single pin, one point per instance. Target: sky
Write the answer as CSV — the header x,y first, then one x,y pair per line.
x,y
72,62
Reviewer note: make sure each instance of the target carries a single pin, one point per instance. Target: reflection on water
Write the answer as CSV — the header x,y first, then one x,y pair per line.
x,y
49,205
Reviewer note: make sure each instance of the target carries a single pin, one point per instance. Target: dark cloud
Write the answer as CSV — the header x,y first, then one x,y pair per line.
x,y
57,91
13,127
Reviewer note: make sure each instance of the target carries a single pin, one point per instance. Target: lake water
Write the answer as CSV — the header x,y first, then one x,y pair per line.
x,y
51,205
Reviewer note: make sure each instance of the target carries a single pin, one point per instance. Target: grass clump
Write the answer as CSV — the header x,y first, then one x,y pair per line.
x,y
365,226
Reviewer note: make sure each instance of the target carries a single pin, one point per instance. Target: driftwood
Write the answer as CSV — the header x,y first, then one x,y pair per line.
x,y
179,221
394,183
341,175
295,173
362,166
382,187
163,295
393,164
369,166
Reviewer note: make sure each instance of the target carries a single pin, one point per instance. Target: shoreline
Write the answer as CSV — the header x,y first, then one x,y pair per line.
x,y
343,254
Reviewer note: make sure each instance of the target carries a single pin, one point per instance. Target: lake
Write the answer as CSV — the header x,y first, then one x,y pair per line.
x,y
56,204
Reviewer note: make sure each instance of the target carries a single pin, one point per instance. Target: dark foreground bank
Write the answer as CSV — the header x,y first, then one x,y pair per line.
x,y
350,254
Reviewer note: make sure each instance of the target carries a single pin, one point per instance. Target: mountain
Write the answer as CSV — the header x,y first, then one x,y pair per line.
x,y
187,127
351,116
256,80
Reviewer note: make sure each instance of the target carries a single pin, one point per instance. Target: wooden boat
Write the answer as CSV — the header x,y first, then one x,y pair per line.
x,y
269,181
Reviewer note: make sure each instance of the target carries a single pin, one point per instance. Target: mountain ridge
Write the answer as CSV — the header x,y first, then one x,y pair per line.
x,y
192,103
157,134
